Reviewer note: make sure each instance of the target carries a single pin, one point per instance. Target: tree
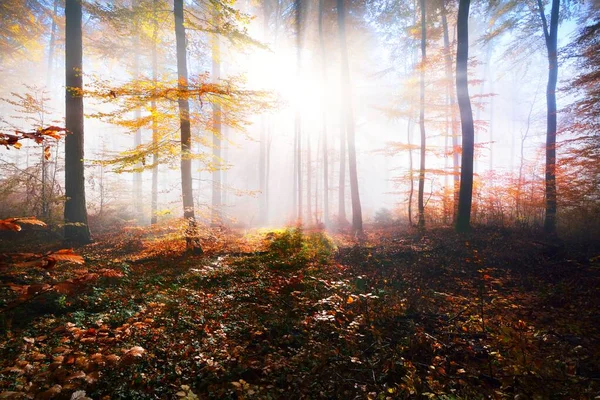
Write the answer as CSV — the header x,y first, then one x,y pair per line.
x,y
463,219
323,117
357,223
155,133
421,203
451,97
76,224
137,137
551,38
192,241
216,217
298,4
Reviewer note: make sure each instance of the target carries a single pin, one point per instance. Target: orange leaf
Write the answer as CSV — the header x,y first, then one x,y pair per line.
x,y
66,255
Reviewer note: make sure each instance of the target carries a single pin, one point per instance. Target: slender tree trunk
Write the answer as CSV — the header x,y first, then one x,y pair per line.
x,y
411,180
262,162
463,220
268,170
295,173
318,219
421,202
137,138
76,223
551,35
522,159
484,79
298,118
216,109
452,107
191,235
51,46
45,204
324,117
357,223
225,142
155,134
342,219
308,182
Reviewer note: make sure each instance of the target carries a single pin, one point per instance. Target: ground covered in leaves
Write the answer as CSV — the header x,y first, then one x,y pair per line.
x,y
291,314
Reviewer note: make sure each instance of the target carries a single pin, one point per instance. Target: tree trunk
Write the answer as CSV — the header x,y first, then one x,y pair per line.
x,y
411,181
357,224
421,203
262,157
191,234
551,36
137,138
308,183
216,218
324,118
51,46
76,223
448,64
155,138
297,119
463,220
342,219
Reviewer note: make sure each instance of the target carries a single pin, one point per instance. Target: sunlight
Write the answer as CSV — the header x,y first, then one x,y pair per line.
x,y
276,72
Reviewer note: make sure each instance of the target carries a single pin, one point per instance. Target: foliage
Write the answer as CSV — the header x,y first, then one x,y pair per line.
x,y
295,249
441,316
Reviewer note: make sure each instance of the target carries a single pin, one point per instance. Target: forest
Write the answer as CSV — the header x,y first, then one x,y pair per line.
x,y
300,199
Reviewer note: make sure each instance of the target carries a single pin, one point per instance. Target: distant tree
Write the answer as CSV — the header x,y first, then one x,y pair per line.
x,y
76,223
324,115
357,223
463,220
421,203
451,98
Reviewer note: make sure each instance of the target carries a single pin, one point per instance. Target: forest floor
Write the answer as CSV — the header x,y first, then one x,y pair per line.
x,y
290,314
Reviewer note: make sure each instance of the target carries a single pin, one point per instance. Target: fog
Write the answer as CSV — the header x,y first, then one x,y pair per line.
x,y
507,88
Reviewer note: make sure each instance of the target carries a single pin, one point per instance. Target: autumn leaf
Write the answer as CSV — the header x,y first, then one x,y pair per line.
x,y
66,255
132,355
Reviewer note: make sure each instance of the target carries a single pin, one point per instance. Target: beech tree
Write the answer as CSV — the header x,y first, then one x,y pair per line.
x,y
192,241
76,223
357,223
463,219
421,203
551,38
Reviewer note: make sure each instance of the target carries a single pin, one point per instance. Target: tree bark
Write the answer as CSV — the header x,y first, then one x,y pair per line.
x,y
298,118
216,218
76,223
551,36
155,134
463,220
448,65
357,223
51,46
411,181
191,234
421,203
309,213
137,138
324,117
342,219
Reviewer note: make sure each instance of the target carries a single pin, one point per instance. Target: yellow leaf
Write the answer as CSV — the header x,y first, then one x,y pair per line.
x,y
350,300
